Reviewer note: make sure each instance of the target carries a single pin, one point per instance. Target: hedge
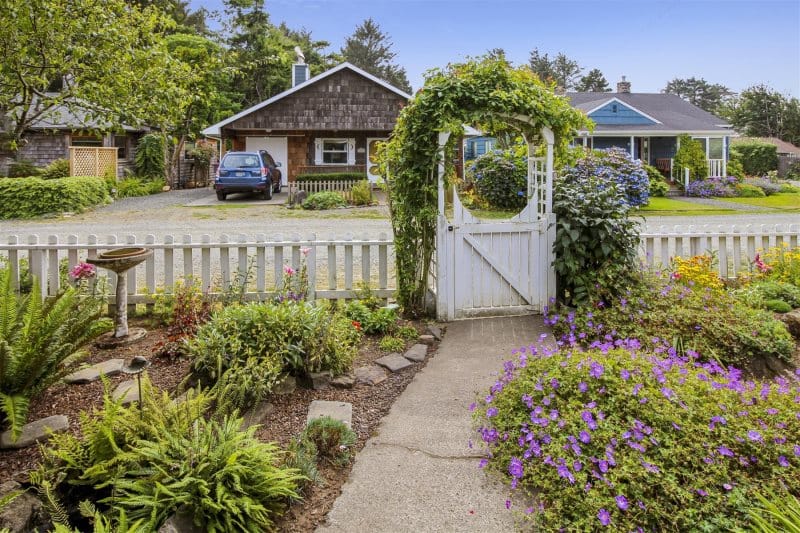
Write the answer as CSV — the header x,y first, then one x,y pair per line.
x,y
332,176
757,158
33,197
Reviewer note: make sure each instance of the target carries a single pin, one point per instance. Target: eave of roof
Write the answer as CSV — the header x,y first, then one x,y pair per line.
x,y
214,130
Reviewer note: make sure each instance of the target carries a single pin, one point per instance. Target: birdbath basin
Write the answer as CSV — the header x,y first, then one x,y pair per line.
x,y
120,261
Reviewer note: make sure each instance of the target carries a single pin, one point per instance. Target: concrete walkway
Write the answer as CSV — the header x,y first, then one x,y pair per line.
x,y
418,473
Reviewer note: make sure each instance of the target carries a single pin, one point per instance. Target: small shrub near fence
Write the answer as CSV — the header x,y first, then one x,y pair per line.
x,y
32,197
355,191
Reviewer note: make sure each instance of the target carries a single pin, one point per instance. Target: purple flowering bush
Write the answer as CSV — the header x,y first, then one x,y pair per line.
x,y
500,178
613,165
637,439
713,323
713,187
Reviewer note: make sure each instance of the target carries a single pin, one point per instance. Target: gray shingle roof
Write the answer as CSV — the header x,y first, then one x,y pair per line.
x,y
674,113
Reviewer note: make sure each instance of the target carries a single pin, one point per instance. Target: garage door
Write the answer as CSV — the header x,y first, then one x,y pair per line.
x,y
277,147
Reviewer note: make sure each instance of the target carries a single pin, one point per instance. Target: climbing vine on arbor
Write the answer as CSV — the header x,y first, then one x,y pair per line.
x,y
488,92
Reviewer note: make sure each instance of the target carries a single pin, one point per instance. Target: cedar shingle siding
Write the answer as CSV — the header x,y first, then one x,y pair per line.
x,y
342,101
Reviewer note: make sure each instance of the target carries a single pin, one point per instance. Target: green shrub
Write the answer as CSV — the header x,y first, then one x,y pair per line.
x,y
130,187
167,456
372,321
710,322
745,190
324,200
332,439
758,293
757,158
58,168
793,171
596,242
33,197
628,438
500,178
392,344
41,341
735,169
244,350
22,168
149,158
777,306
692,156
331,176
789,188
361,193
408,333
658,185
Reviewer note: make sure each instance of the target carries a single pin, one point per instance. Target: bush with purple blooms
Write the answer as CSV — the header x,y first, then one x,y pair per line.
x,y
633,438
613,165
713,323
712,187
500,178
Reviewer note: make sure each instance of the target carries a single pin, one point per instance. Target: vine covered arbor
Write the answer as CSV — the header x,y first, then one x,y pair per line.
x,y
494,96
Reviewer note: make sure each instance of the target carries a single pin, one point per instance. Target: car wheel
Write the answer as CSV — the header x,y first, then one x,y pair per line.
x,y
268,192
221,196
277,187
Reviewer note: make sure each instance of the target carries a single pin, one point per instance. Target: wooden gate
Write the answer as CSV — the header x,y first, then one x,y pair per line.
x,y
497,267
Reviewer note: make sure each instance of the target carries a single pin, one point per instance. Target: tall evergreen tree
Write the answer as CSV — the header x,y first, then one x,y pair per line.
x,y
370,49
561,69
708,96
593,81
760,111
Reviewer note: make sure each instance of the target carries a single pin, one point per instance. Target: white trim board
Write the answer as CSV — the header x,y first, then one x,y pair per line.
x,y
626,104
214,130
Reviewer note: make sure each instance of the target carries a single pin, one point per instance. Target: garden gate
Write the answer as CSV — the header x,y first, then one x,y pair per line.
x,y
497,267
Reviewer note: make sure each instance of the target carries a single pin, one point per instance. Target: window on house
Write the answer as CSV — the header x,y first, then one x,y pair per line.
x,y
86,140
715,148
703,142
121,144
334,152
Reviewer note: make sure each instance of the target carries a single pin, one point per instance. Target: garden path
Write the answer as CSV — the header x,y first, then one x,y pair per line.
x,y
418,472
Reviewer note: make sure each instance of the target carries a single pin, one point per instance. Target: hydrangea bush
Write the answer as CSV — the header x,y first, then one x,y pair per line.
x,y
613,166
712,187
636,438
500,178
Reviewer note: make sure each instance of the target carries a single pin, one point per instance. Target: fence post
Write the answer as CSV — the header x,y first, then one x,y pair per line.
x,y
685,179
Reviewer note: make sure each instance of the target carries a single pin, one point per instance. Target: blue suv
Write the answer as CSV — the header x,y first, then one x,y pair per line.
x,y
248,172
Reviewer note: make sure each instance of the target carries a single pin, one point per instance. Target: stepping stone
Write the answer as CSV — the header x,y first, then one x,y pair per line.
x,y
257,414
93,373
128,391
436,331
287,386
394,362
343,382
370,375
34,432
180,522
320,380
341,411
427,339
416,353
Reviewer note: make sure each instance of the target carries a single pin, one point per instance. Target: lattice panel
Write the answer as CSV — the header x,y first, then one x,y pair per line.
x,y
92,161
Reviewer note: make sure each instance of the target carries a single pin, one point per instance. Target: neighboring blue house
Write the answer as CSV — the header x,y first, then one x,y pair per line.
x,y
647,125
477,146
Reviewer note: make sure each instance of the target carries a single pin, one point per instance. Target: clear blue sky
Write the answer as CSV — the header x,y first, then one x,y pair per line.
x,y
736,43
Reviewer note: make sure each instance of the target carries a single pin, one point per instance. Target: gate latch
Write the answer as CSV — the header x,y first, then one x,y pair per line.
x,y
450,228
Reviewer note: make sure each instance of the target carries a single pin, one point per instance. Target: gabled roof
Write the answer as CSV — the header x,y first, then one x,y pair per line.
x,y
74,116
214,130
673,114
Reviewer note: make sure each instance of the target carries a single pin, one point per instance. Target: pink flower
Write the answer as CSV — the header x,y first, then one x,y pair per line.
x,y
82,271
289,270
305,251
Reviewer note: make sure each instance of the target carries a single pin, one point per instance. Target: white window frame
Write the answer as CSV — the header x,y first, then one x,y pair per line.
x,y
319,153
708,145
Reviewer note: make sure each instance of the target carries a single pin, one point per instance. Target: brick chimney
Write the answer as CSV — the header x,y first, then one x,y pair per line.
x,y
623,86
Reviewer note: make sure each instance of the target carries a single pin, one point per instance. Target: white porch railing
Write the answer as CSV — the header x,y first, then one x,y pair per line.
x,y
716,167
336,267
734,246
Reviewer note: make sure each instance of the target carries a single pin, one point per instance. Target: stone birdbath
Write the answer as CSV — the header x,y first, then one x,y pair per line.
x,y
120,261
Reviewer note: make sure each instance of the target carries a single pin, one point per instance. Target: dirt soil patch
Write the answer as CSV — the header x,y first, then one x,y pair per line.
x,y
370,404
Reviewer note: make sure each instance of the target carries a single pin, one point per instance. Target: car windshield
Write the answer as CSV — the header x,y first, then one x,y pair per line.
x,y
240,161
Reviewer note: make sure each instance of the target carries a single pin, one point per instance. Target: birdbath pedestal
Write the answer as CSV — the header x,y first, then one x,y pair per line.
x,y
120,261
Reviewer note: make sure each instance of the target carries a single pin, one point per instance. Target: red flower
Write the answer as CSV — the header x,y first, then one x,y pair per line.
x,y
357,325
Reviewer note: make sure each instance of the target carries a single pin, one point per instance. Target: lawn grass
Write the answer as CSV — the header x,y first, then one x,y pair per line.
x,y
782,201
672,207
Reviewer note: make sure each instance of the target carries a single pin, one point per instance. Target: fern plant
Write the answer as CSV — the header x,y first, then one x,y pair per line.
x,y
41,341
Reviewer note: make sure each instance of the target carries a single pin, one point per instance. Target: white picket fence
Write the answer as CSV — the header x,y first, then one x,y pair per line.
x,y
734,246
336,268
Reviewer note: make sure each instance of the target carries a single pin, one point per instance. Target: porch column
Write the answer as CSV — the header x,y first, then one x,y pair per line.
x,y
725,156
585,141
633,149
